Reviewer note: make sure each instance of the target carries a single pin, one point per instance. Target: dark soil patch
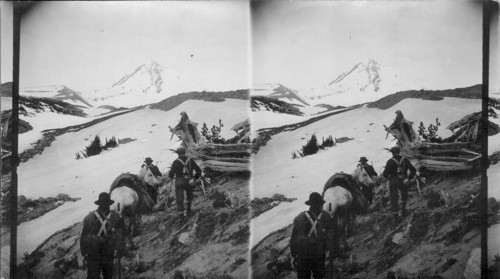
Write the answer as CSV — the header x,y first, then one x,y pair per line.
x,y
343,139
273,104
420,225
434,199
241,236
125,140
449,262
473,92
329,107
206,224
176,100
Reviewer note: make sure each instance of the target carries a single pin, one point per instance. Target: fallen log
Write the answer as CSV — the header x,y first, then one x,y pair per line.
x,y
223,159
449,156
219,157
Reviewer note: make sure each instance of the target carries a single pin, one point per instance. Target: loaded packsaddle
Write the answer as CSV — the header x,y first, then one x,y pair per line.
x,y
346,181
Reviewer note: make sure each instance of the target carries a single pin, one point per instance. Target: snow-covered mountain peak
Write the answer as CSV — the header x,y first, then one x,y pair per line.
x,y
151,70
366,81
144,85
370,67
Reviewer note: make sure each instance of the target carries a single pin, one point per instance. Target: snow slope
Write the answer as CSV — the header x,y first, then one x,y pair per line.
x,y
43,120
275,172
56,170
366,81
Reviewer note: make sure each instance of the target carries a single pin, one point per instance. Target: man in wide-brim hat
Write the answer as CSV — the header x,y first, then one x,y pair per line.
x,y
102,235
104,200
182,169
396,170
309,239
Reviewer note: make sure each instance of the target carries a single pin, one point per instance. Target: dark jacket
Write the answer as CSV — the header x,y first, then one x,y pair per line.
x,y
154,169
94,245
391,168
303,246
369,170
177,168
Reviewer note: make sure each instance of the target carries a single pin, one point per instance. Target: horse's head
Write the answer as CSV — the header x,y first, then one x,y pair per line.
x,y
148,177
362,176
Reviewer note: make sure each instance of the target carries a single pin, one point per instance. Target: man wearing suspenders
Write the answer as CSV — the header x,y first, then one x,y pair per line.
x,y
308,243
396,170
182,168
102,235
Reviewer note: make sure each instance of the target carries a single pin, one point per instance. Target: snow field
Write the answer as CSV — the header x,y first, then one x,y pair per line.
x,y
274,170
57,171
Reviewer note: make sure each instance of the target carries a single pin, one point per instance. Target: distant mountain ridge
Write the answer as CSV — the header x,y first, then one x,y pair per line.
x,y
6,89
472,92
279,92
174,101
263,103
57,92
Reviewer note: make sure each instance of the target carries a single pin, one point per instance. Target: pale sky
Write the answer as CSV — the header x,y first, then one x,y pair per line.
x,y
438,44
494,85
91,45
5,41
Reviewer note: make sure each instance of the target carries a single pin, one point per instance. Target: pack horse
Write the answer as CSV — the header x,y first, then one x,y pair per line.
x,y
343,198
133,197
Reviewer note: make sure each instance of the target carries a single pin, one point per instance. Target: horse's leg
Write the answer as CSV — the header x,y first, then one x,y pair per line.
x,y
344,228
349,230
341,232
130,230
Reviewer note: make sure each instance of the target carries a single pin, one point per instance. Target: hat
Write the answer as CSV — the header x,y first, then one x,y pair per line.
x,y
104,199
148,159
315,198
395,149
181,151
363,159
